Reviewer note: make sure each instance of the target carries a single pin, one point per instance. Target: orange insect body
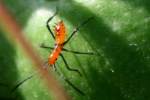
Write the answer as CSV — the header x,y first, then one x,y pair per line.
x,y
60,34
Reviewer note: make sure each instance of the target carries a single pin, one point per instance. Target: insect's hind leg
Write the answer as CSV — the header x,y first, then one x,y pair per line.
x,y
48,21
67,66
68,82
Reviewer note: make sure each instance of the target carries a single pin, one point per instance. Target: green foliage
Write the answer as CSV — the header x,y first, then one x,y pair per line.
x,y
118,34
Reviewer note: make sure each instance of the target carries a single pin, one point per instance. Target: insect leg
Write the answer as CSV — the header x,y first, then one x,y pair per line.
x,y
77,29
46,47
55,68
74,87
13,89
67,66
66,50
48,21
77,52
70,83
20,83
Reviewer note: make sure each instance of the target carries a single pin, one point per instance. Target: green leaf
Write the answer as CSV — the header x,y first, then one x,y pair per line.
x,y
118,34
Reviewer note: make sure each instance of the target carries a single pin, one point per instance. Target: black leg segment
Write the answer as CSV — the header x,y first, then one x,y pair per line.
x,y
70,83
47,23
77,29
15,87
67,66
46,47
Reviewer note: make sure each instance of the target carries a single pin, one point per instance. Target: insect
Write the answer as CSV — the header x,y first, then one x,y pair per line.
x,y
59,37
60,41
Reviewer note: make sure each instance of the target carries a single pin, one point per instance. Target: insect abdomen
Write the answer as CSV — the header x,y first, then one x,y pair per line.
x,y
54,55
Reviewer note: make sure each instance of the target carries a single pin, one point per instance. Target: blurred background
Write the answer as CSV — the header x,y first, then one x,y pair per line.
x,y
118,34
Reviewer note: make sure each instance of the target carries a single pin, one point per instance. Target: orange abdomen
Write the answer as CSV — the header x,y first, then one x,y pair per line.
x,y
54,55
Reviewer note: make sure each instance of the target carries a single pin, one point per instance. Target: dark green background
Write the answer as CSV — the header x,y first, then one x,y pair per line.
x,y
119,34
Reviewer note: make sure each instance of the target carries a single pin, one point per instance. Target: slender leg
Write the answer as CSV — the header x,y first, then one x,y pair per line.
x,y
77,52
46,47
45,65
47,23
74,87
68,82
77,29
20,83
67,66
64,49
55,68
